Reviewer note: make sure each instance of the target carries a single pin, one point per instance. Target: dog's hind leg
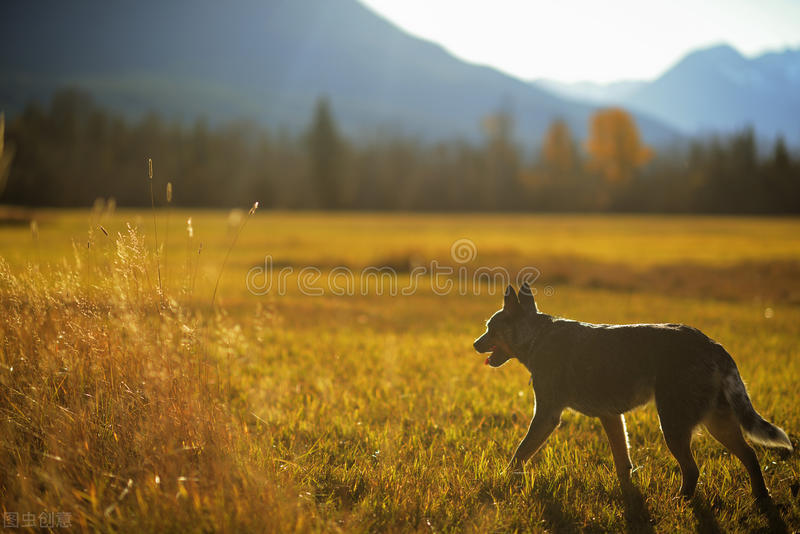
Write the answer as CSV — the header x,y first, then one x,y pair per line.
x,y
723,425
614,425
684,396
678,419
679,442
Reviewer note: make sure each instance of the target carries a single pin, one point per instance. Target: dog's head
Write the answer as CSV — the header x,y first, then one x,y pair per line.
x,y
502,328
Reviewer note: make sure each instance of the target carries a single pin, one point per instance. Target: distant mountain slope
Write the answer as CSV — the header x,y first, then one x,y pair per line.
x,y
712,90
719,89
268,60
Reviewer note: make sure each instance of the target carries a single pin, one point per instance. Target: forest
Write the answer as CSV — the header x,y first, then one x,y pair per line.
x,y
72,151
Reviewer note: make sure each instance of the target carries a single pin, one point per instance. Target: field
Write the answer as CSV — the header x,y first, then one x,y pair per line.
x,y
145,386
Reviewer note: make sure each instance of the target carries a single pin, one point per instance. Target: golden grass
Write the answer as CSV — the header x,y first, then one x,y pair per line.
x,y
362,237
114,408
366,413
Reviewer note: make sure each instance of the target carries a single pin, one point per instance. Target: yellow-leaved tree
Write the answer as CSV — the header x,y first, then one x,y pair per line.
x,y
614,146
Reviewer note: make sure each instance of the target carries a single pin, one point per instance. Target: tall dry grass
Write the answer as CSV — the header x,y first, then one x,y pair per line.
x,y
112,405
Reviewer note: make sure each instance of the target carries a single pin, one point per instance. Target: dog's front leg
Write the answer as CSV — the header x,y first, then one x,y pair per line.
x,y
542,425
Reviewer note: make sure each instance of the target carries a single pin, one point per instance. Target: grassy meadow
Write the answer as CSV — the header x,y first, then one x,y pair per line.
x,y
134,401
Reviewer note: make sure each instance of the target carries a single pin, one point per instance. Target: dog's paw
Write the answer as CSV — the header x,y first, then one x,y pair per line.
x,y
764,502
515,467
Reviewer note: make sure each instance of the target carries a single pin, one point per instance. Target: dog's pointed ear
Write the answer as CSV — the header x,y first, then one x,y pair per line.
x,y
526,298
511,302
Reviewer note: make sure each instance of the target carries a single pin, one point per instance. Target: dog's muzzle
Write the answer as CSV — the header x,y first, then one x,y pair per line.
x,y
498,356
482,344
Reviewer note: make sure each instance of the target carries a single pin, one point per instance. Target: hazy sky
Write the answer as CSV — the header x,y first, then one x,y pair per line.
x,y
597,40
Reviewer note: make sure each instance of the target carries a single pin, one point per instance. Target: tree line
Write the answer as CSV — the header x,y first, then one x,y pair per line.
x,y
72,151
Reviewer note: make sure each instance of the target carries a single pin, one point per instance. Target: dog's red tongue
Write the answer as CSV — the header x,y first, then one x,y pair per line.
x,y
486,361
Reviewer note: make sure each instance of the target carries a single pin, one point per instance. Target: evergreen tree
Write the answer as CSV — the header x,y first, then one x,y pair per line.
x,y
326,156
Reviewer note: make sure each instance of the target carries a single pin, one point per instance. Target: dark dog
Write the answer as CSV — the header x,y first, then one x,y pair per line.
x,y
607,370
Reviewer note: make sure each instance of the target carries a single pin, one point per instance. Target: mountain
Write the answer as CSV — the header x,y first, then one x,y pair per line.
x,y
718,89
600,93
712,90
266,60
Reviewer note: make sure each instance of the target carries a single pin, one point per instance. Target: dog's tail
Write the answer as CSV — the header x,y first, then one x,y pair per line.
x,y
756,427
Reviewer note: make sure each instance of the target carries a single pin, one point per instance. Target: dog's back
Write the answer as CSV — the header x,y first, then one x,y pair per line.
x,y
602,369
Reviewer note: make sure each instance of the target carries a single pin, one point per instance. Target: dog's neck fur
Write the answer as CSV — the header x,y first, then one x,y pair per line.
x,y
536,325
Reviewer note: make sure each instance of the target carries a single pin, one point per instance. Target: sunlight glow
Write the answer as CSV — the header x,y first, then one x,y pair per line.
x,y
576,40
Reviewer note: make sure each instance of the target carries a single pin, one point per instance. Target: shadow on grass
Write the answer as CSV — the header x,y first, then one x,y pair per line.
x,y
637,516
704,516
557,518
707,522
776,523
